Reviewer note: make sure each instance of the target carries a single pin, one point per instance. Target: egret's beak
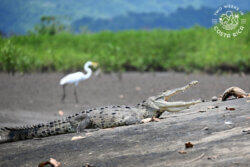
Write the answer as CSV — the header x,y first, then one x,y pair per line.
x,y
94,64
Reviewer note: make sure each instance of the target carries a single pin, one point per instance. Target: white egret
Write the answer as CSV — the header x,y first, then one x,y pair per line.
x,y
75,78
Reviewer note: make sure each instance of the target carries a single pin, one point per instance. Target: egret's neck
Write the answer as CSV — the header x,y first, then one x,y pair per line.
x,y
88,70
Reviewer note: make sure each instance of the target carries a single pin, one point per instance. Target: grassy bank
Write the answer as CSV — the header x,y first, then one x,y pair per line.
x,y
157,50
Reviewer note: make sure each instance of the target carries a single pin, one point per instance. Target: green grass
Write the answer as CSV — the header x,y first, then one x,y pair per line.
x,y
194,49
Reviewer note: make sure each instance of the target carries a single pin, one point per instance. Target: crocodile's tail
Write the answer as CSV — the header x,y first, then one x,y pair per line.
x,y
37,131
9,134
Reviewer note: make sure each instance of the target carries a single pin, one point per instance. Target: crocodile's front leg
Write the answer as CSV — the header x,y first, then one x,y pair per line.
x,y
80,122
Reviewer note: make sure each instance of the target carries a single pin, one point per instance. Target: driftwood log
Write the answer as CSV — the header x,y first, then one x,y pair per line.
x,y
220,137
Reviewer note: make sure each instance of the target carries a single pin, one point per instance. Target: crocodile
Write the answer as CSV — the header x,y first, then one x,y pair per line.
x,y
102,117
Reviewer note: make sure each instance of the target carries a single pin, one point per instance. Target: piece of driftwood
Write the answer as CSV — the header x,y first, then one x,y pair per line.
x,y
216,143
234,91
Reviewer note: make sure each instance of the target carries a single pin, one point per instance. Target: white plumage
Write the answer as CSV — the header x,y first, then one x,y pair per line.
x,y
75,78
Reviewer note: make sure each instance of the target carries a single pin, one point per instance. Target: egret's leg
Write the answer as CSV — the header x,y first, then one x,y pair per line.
x,y
64,94
75,93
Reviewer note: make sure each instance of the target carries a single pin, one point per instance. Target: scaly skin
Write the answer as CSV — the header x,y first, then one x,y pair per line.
x,y
103,117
